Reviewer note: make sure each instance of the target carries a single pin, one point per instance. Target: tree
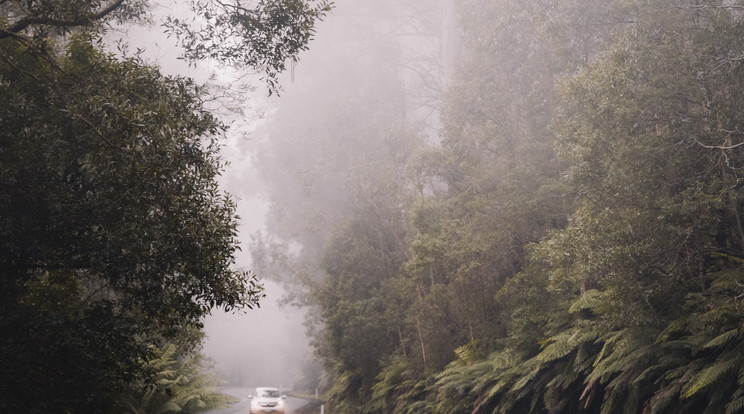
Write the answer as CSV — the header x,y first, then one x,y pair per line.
x,y
115,234
633,306
335,161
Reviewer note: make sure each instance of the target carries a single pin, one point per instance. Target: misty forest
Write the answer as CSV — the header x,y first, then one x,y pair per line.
x,y
480,206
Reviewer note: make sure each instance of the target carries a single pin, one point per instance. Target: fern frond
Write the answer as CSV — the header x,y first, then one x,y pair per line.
x,y
416,407
562,346
525,379
664,396
591,299
710,375
504,360
613,340
651,371
673,329
735,406
722,340
555,401
726,280
563,380
499,387
468,352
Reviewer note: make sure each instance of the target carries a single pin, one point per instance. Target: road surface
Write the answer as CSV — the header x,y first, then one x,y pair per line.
x,y
243,404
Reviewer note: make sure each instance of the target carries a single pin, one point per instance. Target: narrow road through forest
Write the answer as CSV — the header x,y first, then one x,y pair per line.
x,y
243,405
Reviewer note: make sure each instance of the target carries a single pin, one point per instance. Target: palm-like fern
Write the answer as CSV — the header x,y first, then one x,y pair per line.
x,y
693,364
177,386
399,389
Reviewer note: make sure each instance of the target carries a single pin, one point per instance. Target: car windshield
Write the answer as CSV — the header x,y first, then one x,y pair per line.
x,y
269,394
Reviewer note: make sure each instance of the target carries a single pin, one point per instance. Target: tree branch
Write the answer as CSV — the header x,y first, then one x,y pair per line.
x,y
16,67
721,147
27,21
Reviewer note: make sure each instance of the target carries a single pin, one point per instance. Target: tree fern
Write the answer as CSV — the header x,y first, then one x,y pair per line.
x,y
455,383
727,280
649,373
178,385
623,361
664,397
711,375
413,397
615,343
569,374
490,370
673,330
417,407
383,391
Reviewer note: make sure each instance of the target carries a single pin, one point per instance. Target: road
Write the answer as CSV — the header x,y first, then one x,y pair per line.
x,y
243,404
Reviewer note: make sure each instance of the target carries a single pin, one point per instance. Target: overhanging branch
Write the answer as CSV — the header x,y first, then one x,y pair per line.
x,y
87,20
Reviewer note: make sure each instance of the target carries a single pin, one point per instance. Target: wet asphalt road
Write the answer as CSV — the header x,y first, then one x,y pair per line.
x,y
243,404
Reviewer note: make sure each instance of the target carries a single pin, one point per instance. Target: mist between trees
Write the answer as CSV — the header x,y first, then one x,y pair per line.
x,y
486,206
515,206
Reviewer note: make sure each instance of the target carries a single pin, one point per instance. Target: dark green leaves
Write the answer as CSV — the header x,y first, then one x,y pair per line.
x,y
265,36
114,233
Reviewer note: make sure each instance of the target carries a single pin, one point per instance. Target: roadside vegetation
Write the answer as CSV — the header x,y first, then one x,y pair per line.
x,y
571,239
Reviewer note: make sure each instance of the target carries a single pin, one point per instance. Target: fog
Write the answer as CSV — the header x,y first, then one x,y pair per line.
x,y
250,347
259,347
453,206
352,78
371,69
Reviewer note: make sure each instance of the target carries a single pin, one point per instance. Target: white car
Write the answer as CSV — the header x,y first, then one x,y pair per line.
x,y
267,400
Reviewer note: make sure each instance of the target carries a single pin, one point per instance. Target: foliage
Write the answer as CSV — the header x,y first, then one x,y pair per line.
x,y
574,242
399,388
115,234
173,385
262,37
337,185
656,220
42,19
